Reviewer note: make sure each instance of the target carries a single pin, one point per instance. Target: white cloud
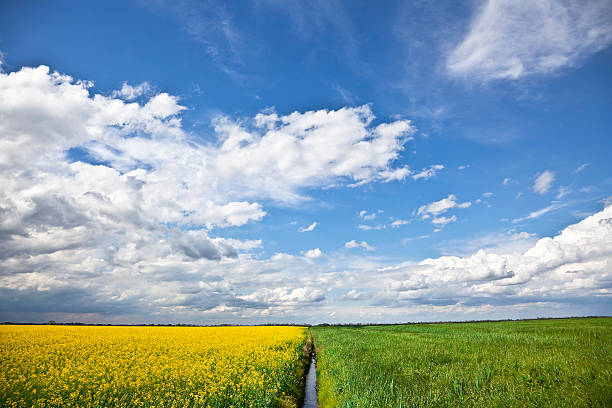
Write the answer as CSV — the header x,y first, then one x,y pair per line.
x,y
311,227
429,172
521,235
399,222
441,206
244,245
543,182
346,96
506,181
419,237
487,194
285,153
129,92
511,39
433,211
539,213
575,250
580,168
313,253
354,295
358,244
137,230
281,257
363,214
438,207
376,227
136,235
443,220
563,191
286,295
147,150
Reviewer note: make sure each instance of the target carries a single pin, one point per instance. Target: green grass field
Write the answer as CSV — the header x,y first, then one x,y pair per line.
x,y
539,363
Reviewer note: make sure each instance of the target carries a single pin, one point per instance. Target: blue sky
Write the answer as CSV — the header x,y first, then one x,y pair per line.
x,y
270,161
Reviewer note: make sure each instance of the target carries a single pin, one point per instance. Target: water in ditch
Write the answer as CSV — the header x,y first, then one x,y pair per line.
x,y
310,396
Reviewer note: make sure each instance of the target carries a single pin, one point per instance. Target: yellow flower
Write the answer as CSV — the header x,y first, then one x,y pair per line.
x,y
146,366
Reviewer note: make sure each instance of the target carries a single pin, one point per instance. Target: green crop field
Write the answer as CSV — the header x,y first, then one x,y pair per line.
x,y
547,363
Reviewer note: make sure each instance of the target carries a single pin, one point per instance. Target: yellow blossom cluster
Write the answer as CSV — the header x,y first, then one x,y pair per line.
x,y
95,366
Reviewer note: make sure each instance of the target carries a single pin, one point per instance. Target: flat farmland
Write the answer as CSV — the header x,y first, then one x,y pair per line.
x,y
89,366
546,363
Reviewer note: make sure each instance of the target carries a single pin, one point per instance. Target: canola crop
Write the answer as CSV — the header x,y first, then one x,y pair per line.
x,y
90,366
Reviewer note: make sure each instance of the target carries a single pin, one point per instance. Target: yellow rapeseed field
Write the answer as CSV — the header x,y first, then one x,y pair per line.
x,y
87,366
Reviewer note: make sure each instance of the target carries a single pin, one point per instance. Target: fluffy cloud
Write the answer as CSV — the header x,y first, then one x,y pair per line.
x,y
109,210
354,295
129,92
543,182
565,268
358,244
284,153
443,220
441,206
510,39
313,253
287,296
109,206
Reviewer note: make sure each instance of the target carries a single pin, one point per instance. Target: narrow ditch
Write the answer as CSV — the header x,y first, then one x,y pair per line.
x,y
310,394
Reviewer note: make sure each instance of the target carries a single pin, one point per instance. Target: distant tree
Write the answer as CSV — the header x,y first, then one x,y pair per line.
x,y
52,322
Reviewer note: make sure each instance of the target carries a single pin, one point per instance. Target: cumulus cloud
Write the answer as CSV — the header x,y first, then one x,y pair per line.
x,y
286,296
543,182
284,153
511,39
111,191
578,245
441,206
354,295
309,228
129,92
521,235
433,211
110,209
564,269
358,244
313,253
